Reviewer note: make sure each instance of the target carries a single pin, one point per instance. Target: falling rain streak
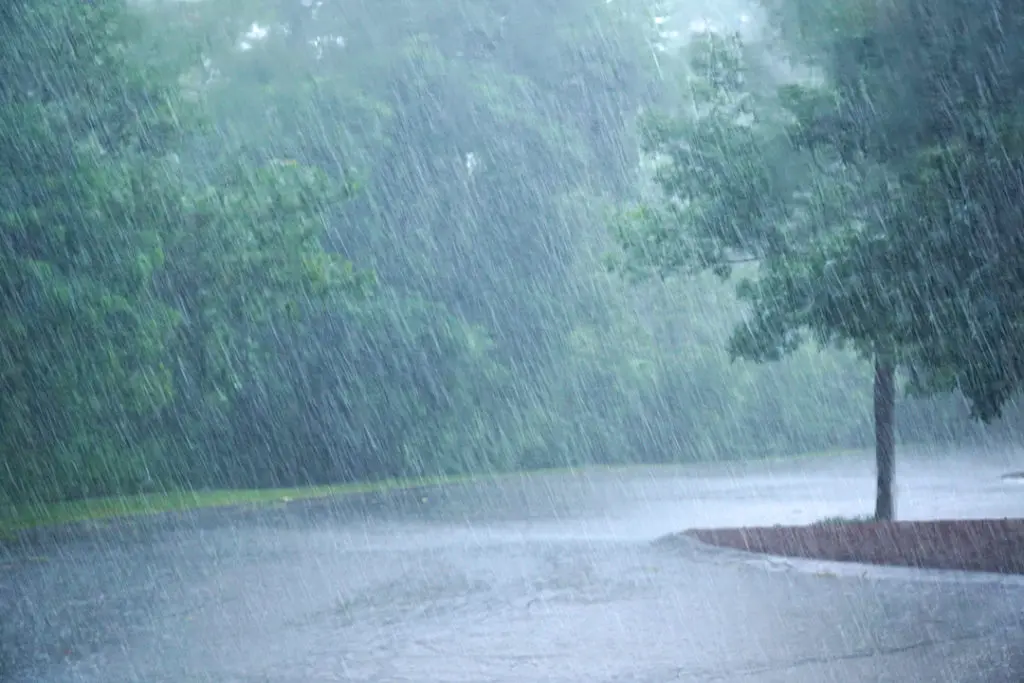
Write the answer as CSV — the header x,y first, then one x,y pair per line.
x,y
490,340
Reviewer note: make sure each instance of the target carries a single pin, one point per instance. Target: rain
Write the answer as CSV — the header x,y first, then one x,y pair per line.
x,y
473,341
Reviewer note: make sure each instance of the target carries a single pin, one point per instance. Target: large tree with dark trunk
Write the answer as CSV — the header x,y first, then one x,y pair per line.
x,y
840,217
929,93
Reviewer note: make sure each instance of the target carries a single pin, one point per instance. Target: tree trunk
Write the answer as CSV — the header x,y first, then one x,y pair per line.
x,y
885,435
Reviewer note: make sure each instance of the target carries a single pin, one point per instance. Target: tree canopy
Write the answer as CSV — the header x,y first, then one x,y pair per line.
x,y
866,199
270,242
927,94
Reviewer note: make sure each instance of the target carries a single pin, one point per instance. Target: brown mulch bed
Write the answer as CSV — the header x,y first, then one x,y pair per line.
x,y
988,545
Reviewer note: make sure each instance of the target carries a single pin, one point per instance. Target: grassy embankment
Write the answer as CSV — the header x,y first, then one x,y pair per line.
x,y
17,518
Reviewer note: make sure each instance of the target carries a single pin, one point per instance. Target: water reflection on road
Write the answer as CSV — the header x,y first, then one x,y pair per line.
x,y
542,578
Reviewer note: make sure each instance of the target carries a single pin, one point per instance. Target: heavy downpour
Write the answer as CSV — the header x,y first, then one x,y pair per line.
x,y
511,341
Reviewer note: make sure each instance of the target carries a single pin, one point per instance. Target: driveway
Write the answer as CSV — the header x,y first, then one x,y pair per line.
x,y
555,578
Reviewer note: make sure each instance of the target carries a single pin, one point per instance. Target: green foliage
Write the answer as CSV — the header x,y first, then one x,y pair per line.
x,y
734,190
870,207
124,279
929,93
260,243
83,333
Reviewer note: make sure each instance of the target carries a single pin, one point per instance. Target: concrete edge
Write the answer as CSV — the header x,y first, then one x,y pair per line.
x,y
841,570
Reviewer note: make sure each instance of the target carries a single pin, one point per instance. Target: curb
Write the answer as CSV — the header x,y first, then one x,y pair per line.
x,y
840,570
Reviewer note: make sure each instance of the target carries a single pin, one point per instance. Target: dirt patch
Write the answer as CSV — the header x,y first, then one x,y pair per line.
x,y
989,545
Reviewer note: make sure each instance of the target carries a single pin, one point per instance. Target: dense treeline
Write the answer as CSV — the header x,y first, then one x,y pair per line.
x,y
269,242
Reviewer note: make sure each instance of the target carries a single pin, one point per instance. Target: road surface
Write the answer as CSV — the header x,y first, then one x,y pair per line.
x,y
554,578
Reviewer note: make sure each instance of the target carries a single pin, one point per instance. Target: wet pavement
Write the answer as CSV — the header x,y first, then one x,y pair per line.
x,y
557,578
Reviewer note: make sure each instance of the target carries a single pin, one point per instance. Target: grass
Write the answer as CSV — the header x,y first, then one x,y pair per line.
x,y
812,455
17,518
862,519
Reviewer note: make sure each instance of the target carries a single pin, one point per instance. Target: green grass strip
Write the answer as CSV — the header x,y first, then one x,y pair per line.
x,y
17,518
20,517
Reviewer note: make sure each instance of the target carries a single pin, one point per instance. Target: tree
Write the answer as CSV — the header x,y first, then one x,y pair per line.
x,y
930,91
461,124
928,94
84,134
875,214
138,276
737,195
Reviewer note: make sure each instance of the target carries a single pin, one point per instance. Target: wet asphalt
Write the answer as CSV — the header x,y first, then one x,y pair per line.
x,y
567,578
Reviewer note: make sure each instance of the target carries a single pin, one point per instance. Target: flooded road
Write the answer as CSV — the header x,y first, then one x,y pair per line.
x,y
550,577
